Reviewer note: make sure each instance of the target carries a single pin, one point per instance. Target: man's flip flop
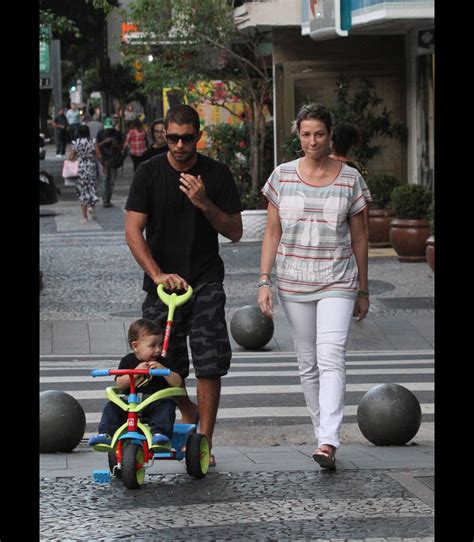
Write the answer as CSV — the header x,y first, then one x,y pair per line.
x,y
212,461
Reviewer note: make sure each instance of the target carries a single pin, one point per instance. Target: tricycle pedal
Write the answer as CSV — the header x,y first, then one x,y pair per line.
x,y
101,476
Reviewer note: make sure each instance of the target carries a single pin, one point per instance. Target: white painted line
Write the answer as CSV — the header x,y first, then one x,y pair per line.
x,y
81,365
269,412
241,374
253,355
254,390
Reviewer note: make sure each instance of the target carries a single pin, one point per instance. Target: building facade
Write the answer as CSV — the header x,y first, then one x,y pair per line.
x,y
389,43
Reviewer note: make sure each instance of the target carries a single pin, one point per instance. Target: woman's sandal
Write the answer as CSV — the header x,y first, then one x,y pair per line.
x,y
212,461
325,456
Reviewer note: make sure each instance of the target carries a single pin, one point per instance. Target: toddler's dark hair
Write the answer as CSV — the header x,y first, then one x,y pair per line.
x,y
141,328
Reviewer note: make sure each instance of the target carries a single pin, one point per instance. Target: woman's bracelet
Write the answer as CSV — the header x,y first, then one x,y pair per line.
x,y
362,293
264,283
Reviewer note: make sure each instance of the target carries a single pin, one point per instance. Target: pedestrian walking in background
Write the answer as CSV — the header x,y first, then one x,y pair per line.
x,y
145,339
83,150
109,145
183,199
73,116
94,124
159,146
136,142
345,137
315,232
129,116
60,132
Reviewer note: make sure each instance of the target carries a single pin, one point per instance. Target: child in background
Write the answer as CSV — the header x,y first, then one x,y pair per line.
x,y
145,338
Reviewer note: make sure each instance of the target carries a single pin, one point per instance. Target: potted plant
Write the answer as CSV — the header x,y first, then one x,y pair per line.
x,y
229,144
411,227
430,242
381,187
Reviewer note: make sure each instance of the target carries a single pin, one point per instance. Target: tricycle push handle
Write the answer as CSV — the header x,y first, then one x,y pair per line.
x,y
120,372
171,301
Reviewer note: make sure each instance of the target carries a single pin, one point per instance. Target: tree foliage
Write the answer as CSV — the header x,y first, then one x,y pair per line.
x,y
362,107
194,41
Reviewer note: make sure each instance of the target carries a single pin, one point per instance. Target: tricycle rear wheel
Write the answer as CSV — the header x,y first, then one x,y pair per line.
x,y
197,455
133,471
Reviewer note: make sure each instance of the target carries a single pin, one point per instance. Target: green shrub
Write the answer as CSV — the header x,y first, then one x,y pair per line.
x,y
411,202
230,144
381,187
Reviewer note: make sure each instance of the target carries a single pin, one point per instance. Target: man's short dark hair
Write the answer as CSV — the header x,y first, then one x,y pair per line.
x,y
182,114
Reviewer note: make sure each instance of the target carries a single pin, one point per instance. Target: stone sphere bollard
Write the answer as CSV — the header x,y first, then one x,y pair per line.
x,y
62,422
250,328
389,415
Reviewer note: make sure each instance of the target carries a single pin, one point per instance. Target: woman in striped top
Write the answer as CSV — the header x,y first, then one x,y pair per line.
x,y
316,236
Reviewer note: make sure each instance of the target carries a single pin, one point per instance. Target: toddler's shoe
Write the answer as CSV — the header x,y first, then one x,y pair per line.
x,y
163,440
101,438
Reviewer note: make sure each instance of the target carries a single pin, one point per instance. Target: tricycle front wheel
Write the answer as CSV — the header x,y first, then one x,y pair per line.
x,y
133,471
197,455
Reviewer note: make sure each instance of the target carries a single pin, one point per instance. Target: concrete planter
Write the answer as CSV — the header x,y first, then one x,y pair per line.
x,y
430,252
254,223
379,227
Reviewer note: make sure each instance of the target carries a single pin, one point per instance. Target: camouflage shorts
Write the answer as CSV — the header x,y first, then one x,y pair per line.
x,y
202,318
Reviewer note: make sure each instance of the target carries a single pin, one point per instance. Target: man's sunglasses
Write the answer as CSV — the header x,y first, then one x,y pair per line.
x,y
186,138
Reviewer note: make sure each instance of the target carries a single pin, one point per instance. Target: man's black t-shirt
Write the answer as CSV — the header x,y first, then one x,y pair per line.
x,y
112,149
153,151
157,383
180,237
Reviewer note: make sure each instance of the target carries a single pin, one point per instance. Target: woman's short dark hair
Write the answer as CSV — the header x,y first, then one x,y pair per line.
x,y
83,130
182,114
141,328
313,111
345,135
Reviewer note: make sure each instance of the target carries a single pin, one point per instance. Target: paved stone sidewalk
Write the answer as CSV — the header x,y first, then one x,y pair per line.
x,y
300,505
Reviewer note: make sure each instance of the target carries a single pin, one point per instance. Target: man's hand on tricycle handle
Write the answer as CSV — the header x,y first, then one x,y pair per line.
x,y
171,281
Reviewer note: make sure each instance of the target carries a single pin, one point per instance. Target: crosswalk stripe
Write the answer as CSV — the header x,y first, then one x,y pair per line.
x,y
269,412
269,374
271,389
350,355
56,366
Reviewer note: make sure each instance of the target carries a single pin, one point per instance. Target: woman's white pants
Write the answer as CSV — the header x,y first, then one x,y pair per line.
x,y
320,330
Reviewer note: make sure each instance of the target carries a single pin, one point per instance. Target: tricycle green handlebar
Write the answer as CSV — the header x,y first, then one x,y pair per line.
x,y
174,299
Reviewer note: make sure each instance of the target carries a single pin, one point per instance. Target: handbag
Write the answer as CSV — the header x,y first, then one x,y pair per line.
x,y
70,168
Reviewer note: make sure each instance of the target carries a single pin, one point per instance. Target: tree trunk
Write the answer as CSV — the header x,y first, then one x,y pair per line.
x,y
254,148
261,146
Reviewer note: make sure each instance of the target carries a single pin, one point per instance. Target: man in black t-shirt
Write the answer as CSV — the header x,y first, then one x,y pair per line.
x,y
60,127
184,199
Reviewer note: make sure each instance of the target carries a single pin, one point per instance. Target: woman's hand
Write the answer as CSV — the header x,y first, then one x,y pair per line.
x,y
361,308
265,301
